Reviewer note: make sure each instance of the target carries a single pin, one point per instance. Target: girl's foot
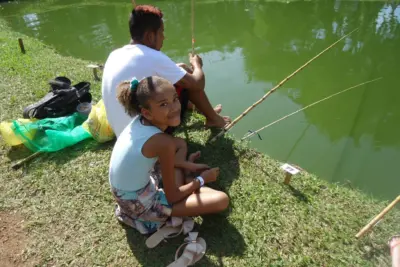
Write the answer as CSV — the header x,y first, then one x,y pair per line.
x,y
194,156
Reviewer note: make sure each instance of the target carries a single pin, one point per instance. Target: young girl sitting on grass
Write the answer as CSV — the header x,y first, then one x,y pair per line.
x,y
142,203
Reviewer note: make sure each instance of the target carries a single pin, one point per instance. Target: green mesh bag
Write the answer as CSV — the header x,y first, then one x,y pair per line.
x,y
52,134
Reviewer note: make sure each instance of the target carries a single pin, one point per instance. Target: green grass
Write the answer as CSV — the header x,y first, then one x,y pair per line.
x,y
68,210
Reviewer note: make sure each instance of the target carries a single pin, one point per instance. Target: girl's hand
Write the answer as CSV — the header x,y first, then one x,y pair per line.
x,y
210,175
195,167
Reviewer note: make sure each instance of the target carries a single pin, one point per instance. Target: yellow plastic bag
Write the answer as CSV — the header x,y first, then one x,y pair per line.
x,y
97,124
7,132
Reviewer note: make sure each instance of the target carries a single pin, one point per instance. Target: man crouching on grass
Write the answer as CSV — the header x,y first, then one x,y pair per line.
x,y
143,58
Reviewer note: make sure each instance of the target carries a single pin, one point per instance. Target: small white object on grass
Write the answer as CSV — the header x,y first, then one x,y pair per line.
x,y
290,170
95,68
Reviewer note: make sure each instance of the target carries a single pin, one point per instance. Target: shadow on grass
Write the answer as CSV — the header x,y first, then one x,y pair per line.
x,y
62,156
70,153
18,152
221,237
298,194
220,153
372,252
294,191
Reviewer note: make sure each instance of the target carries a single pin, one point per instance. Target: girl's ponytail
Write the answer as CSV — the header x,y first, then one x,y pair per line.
x,y
127,96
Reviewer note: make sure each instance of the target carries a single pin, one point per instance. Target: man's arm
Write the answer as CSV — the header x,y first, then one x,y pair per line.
x,y
195,80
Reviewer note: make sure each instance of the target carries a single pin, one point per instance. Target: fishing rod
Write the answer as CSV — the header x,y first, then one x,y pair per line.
x,y
192,27
244,113
374,221
252,133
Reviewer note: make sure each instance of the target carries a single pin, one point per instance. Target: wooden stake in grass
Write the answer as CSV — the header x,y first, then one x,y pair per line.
x,y
134,3
289,171
306,107
229,126
374,221
192,27
21,45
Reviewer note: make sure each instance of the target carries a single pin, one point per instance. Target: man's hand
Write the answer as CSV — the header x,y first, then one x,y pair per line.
x,y
185,67
195,60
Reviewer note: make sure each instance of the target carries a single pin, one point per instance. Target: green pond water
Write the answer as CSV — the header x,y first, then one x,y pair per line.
x,y
247,48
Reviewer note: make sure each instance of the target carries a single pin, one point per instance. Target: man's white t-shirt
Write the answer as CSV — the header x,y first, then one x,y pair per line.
x,y
125,63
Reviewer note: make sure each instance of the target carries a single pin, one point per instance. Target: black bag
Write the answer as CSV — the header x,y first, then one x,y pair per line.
x,y
61,100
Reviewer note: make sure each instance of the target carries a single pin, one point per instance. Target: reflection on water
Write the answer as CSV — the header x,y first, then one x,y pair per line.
x,y
32,21
249,46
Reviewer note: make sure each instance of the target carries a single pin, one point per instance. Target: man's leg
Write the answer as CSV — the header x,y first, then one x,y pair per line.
x,y
191,107
200,100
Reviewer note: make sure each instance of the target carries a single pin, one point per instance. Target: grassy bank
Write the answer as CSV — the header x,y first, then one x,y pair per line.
x,y
67,209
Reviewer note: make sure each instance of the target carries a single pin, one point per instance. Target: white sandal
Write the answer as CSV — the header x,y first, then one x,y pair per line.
x,y
195,250
172,229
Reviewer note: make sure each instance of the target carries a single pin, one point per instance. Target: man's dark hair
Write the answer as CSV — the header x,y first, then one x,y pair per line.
x,y
144,18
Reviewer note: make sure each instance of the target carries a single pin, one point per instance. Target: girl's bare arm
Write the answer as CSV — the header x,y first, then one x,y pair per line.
x,y
163,146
